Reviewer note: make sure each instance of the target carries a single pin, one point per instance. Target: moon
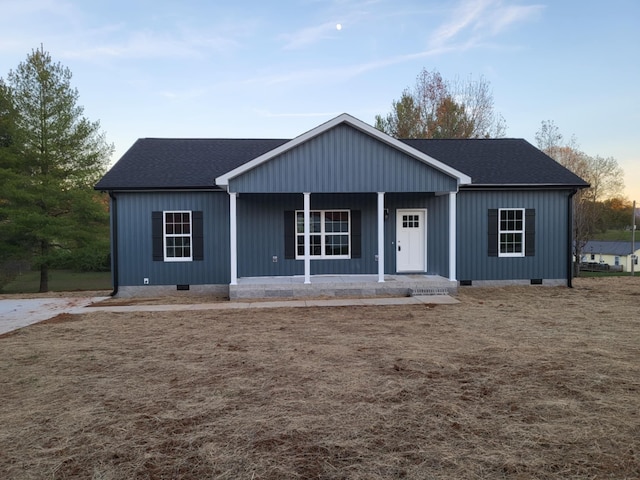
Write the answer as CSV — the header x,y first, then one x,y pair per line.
x,y
338,26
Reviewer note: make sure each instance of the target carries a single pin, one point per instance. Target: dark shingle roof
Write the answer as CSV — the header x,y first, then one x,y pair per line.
x,y
608,247
153,163
502,161
157,163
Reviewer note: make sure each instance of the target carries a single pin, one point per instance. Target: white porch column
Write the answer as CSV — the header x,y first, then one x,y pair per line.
x,y
452,236
307,237
381,237
233,251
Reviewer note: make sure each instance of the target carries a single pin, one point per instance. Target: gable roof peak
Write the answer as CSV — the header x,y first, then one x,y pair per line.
x,y
345,118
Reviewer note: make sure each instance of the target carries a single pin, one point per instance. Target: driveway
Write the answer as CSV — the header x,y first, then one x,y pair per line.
x,y
19,312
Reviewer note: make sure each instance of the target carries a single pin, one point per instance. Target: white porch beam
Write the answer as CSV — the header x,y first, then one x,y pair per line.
x,y
233,237
452,235
307,237
380,237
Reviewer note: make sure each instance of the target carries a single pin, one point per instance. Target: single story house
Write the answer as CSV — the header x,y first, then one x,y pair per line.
x,y
342,199
615,254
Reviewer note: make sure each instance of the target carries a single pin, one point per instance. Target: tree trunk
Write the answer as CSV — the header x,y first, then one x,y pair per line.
x,y
576,261
44,278
44,269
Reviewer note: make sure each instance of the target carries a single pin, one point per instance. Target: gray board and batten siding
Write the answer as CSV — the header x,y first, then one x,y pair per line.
x,y
134,231
340,160
342,167
261,233
343,160
548,262
261,226
437,230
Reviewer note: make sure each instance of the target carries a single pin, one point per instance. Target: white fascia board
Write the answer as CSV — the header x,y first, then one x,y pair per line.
x,y
463,179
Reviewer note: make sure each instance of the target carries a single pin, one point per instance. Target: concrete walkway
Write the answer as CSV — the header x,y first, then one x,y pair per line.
x,y
18,313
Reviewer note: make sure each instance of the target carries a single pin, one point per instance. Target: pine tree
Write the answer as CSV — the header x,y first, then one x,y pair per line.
x,y
50,158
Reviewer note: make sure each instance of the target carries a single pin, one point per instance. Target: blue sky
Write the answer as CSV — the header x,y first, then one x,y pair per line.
x,y
275,69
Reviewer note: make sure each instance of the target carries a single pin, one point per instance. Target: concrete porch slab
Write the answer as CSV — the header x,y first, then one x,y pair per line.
x,y
321,286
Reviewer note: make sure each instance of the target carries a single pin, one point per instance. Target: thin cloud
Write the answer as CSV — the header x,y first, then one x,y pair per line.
x,y
348,13
338,74
268,114
10,10
149,44
472,24
481,19
464,16
183,95
43,18
308,36
508,16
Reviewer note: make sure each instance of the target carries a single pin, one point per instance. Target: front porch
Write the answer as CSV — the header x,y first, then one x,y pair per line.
x,y
341,286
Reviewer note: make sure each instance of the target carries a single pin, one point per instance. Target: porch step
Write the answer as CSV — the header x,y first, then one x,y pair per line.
x,y
415,292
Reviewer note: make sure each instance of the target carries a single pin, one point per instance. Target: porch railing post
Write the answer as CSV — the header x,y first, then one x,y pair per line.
x,y
452,236
307,237
381,237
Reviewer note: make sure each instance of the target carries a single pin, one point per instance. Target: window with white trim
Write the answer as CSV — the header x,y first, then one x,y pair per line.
x,y
511,232
330,234
177,233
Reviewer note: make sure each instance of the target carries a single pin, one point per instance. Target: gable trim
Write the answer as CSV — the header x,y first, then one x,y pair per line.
x,y
463,179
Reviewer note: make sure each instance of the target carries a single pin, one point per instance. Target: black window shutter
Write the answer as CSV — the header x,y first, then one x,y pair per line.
x,y
356,234
197,235
530,232
492,233
289,234
157,233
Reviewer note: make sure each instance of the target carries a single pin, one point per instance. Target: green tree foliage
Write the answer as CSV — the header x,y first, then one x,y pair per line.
x,y
436,108
616,214
605,176
50,158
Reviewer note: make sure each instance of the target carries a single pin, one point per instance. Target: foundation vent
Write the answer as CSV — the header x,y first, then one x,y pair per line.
x,y
413,292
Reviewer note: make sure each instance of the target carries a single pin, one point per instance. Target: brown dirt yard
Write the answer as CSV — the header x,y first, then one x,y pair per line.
x,y
518,383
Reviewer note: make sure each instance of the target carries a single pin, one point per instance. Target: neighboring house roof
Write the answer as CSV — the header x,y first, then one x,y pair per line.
x,y
608,248
155,163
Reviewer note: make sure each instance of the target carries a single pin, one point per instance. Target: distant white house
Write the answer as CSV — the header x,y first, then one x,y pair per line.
x,y
615,254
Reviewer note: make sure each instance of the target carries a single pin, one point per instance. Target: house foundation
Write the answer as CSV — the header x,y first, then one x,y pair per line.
x,y
341,286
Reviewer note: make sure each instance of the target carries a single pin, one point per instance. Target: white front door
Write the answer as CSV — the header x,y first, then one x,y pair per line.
x,y
411,241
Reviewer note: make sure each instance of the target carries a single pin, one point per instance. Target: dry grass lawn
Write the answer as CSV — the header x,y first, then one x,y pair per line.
x,y
514,383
